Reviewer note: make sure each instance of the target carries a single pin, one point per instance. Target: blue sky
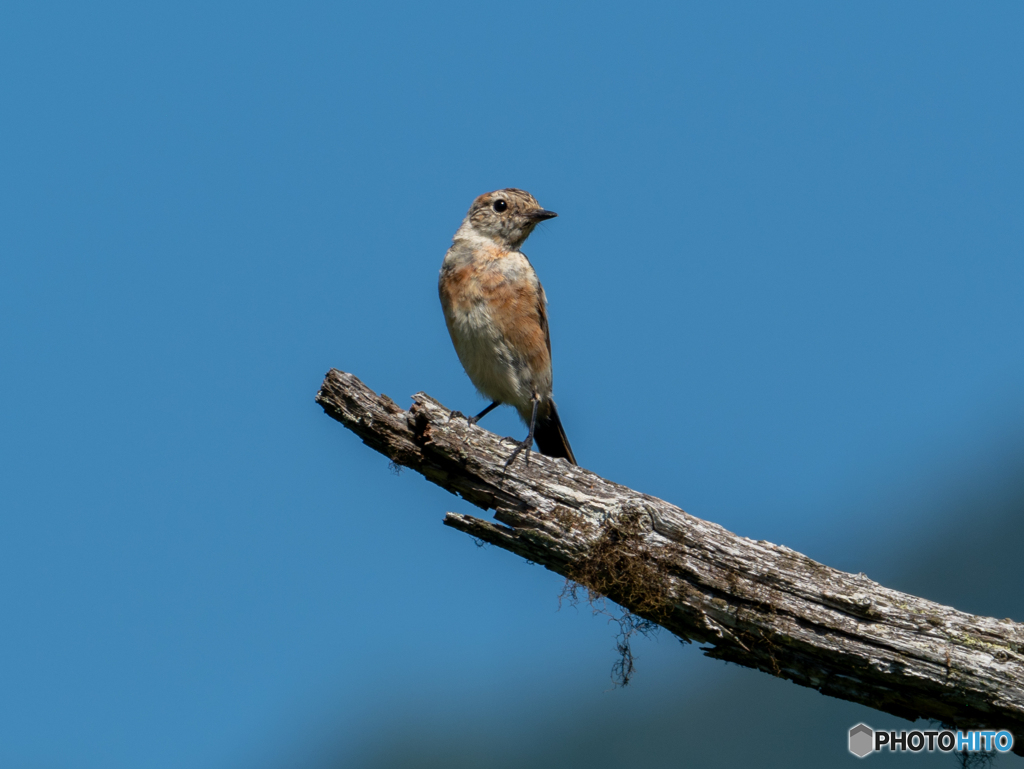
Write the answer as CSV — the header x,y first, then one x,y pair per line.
x,y
786,293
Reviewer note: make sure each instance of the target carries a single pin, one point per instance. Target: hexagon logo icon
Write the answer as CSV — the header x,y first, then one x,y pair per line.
x,y
862,740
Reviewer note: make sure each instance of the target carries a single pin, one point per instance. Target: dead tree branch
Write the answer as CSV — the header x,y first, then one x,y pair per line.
x,y
756,604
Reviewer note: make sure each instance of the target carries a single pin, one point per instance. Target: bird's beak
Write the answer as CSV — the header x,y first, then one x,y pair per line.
x,y
540,215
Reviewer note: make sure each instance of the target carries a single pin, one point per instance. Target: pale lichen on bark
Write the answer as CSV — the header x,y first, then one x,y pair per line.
x,y
753,603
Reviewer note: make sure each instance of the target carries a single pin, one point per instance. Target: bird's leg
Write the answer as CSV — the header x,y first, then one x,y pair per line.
x,y
528,443
482,414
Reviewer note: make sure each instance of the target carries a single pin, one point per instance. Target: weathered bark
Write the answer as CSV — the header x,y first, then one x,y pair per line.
x,y
753,603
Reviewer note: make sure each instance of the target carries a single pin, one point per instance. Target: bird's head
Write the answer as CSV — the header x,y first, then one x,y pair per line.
x,y
506,217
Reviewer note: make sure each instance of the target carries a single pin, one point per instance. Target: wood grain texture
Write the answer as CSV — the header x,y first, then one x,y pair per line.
x,y
750,602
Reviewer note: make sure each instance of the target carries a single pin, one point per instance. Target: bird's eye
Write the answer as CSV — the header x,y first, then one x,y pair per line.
x,y
500,205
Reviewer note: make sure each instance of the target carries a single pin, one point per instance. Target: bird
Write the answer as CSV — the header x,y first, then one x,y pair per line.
x,y
496,312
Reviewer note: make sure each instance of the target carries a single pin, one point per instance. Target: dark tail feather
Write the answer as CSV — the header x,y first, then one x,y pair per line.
x,y
550,436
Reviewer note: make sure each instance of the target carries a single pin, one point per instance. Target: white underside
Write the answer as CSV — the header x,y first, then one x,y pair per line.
x,y
491,364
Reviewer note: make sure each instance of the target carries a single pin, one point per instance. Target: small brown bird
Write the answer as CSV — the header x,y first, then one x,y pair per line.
x,y
497,316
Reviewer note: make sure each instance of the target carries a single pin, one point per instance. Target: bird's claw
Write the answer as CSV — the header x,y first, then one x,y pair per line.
x,y
520,446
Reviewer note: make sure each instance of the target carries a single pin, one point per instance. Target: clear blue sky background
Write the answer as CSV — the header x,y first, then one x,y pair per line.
x,y
786,287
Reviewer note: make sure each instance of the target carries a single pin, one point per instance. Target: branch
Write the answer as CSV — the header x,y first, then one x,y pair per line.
x,y
756,604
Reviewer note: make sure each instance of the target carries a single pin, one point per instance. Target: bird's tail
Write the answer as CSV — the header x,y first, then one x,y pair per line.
x,y
550,435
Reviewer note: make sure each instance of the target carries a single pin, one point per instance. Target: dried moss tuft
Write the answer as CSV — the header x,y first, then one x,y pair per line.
x,y
620,567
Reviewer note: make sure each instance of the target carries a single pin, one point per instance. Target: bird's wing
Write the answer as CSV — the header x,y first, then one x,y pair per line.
x,y
542,311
